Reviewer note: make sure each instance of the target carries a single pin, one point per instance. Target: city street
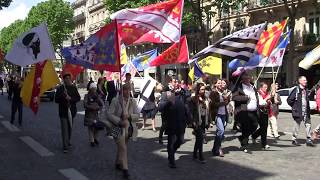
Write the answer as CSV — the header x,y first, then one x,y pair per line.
x,y
33,152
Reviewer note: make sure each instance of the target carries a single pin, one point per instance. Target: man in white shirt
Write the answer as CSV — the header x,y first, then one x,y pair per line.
x,y
246,105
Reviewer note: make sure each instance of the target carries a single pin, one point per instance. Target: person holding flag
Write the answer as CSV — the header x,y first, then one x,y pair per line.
x,y
17,104
67,96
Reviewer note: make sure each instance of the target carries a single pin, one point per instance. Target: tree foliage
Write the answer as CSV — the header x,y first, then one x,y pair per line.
x,y
10,33
4,3
58,15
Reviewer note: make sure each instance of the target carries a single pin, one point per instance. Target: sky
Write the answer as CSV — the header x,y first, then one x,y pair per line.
x,y
18,9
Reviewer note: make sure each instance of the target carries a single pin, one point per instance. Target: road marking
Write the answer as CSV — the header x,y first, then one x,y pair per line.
x,y
37,147
10,126
72,174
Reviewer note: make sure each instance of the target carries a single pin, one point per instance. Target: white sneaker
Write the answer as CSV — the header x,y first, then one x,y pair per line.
x,y
266,147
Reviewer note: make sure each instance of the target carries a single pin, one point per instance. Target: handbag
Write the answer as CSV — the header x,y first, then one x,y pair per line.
x,y
116,132
98,125
130,129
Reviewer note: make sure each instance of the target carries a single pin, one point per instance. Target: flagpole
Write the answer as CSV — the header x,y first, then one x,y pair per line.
x,y
273,80
277,74
255,83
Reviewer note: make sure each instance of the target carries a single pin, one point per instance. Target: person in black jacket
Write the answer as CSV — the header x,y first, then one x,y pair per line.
x,y
174,112
1,85
299,101
17,104
246,101
67,96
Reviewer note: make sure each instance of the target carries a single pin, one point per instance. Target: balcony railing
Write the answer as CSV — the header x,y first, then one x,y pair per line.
x,y
262,3
78,3
79,17
97,6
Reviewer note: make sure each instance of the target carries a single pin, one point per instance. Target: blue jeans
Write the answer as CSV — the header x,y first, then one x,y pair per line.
x,y
220,123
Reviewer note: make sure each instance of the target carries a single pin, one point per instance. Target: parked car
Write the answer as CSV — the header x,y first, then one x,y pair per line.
x,y
284,93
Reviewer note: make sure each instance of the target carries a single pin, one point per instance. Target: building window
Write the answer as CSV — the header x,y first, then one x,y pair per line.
x,y
314,24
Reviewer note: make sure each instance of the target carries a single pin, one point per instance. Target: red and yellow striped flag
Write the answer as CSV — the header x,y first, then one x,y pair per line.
x,y
269,38
41,78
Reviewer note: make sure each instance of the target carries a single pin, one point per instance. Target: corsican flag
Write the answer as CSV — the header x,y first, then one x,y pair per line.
x,y
32,47
238,45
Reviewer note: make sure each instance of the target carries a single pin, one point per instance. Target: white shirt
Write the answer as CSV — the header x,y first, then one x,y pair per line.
x,y
249,91
222,109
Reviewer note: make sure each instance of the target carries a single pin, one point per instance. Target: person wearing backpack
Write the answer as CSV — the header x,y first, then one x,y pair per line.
x,y
299,101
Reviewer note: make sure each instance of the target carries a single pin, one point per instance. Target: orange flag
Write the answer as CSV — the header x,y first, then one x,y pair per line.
x,y
72,69
269,38
41,78
175,54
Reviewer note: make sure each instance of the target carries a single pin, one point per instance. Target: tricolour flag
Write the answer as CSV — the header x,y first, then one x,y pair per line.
x,y
142,61
101,51
157,23
176,54
41,78
269,38
72,69
311,58
238,45
32,47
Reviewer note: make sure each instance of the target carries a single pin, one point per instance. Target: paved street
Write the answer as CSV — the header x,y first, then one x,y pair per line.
x,y
34,152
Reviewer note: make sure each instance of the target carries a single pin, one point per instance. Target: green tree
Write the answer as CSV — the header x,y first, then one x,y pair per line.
x,y
7,38
4,3
58,15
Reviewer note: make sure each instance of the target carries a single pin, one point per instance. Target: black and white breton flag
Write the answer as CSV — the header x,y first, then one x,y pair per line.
x,y
238,45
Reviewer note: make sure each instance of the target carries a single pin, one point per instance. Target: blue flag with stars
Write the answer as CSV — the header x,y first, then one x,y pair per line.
x,y
101,51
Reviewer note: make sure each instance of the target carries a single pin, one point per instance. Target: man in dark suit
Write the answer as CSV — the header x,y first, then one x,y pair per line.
x,y
174,112
113,88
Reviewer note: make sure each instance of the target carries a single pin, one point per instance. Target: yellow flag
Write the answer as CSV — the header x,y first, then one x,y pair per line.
x,y
123,55
211,65
48,78
191,74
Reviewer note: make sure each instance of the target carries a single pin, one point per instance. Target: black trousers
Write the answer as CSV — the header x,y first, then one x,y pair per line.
x,y
16,106
174,142
198,145
263,128
249,123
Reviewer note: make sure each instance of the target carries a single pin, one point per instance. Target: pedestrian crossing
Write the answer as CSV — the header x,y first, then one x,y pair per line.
x,y
70,173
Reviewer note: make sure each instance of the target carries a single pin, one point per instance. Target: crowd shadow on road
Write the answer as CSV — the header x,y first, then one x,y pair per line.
x,y
152,160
